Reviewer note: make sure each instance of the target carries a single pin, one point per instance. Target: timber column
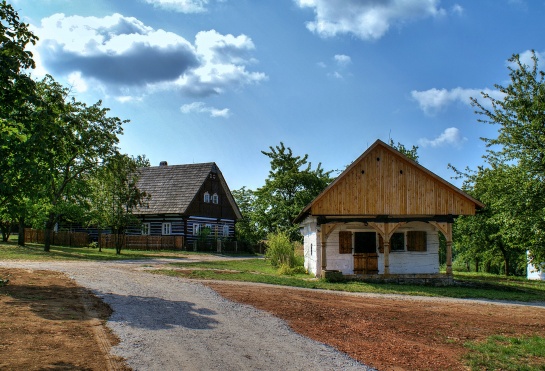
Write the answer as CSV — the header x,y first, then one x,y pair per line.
x,y
449,249
323,238
386,256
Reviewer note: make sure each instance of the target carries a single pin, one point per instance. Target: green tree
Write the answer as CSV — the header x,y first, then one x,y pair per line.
x,y
410,153
115,195
69,141
520,115
246,229
290,186
16,91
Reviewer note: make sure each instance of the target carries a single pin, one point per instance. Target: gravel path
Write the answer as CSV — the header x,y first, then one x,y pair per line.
x,y
169,323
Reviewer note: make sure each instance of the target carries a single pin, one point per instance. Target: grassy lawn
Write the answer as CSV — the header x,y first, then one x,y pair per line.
x,y
506,353
10,251
259,270
472,285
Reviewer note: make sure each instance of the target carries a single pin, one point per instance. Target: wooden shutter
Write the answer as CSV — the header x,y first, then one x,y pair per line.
x,y
345,242
416,241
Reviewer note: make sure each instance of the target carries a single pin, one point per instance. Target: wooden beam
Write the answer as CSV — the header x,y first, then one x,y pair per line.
x,y
446,229
386,230
325,231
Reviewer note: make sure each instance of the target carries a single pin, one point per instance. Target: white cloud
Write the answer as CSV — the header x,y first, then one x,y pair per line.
x,y
223,65
433,100
451,136
77,82
182,6
366,19
128,99
125,57
526,58
201,107
342,60
457,9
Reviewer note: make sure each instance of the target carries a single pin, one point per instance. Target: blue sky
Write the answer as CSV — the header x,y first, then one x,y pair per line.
x,y
222,80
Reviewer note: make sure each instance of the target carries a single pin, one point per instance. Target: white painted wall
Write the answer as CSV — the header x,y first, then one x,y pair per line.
x,y
534,273
401,262
311,247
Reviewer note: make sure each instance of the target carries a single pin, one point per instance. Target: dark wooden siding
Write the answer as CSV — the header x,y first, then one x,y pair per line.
x,y
221,210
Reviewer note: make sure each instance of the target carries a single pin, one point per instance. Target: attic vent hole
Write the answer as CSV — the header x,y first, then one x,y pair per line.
x,y
378,158
401,171
363,171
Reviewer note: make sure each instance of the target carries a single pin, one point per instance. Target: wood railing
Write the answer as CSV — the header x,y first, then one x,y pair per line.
x,y
143,242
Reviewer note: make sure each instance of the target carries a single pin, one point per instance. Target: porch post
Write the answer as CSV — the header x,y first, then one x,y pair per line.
x,y
323,238
386,256
449,249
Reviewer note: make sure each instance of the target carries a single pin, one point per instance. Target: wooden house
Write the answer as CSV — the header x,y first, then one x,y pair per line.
x,y
381,217
186,200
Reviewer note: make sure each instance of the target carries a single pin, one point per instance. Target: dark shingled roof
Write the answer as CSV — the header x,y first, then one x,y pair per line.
x,y
173,188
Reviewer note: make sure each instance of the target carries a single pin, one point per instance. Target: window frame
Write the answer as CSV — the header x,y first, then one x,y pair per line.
x,y
215,198
207,197
166,229
196,229
399,244
145,229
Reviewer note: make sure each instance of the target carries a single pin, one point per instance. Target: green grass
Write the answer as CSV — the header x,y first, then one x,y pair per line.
x,y
509,354
259,270
10,251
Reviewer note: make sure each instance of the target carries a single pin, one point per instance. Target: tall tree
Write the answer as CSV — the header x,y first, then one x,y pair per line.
x,y
246,228
520,115
499,233
71,141
115,195
16,90
290,186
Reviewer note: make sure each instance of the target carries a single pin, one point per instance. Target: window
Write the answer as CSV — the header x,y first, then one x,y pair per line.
x,y
215,198
416,241
207,197
397,242
166,229
226,230
196,229
145,229
345,242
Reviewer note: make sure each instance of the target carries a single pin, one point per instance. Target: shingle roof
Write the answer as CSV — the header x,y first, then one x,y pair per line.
x,y
172,188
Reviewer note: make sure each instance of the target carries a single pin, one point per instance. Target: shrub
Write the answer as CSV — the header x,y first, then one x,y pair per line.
x,y
280,251
290,271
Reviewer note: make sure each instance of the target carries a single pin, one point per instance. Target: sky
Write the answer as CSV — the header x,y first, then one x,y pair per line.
x,y
222,80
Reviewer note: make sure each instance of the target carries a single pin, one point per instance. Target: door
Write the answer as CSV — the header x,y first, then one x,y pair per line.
x,y
365,253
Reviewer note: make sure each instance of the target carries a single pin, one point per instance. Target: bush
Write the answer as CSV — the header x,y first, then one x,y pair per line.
x,y
280,251
290,271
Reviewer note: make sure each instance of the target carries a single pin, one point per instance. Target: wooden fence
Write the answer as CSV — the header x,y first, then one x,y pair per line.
x,y
73,239
143,242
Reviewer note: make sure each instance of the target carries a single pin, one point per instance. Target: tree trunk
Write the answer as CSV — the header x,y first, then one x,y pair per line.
x,y
48,232
6,230
21,235
476,265
505,258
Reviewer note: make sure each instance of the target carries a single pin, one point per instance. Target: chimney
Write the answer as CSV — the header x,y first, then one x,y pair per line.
x,y
163,163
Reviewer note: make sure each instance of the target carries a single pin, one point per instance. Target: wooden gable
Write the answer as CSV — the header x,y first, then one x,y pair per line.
x,y
383,181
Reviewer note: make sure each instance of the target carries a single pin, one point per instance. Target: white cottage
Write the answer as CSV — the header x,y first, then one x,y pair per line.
x,y
382,216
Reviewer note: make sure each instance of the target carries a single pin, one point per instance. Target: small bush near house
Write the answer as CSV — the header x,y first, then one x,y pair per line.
x,y
281,252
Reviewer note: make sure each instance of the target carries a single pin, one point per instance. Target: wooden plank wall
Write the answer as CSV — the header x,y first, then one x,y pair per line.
x,y
383,183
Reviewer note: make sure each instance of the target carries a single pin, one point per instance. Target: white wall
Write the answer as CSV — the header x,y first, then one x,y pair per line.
x,y
311,247
401,262
536,274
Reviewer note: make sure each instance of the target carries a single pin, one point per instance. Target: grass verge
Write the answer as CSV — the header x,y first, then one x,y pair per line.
x,y
259,270
507,353
11,251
